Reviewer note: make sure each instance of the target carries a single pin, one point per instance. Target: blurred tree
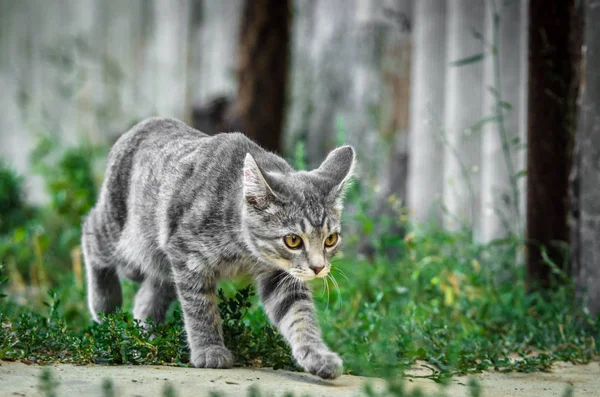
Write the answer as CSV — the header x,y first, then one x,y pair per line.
x,y
554,55
585,236
262,72
209,117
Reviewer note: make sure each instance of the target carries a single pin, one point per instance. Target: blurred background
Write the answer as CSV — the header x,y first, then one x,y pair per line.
x,y
288,73
464,113
471,235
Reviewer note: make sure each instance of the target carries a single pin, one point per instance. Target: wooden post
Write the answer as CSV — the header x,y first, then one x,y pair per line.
x,y
553,62
585,231
262,71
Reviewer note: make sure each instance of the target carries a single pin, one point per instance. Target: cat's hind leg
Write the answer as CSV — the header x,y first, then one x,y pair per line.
x,y
152,300
103,285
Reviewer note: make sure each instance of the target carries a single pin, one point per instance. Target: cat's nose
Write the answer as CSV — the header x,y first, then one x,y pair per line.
x,y
317,269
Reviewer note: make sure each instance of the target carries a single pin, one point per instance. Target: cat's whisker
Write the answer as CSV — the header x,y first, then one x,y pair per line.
x,y
284,279
339,292
341,273
337,287
327,285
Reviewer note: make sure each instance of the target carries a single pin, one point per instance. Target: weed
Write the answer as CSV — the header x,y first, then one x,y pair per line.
x,y
439,304
14,212
39,244
47,383
108,389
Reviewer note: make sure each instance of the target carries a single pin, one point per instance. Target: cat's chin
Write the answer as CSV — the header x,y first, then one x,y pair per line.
x,y
305,278
301,276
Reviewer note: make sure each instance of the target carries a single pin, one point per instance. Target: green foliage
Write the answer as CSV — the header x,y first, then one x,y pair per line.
x,y
47,383
13,210
39,243
253,341
468,60
442,303
108,390
300,156
69,179
474,388
169,391
46,335
3,281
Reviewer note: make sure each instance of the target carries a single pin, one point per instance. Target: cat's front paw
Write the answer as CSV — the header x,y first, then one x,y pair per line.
x,y
320,362
214,356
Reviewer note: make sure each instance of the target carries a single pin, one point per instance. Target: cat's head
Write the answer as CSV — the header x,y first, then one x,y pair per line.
x,y
293,220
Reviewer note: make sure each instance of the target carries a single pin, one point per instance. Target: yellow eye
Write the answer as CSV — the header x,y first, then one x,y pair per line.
x,y
293,241
331,240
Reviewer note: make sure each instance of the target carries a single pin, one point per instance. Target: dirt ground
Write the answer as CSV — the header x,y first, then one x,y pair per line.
x,y
17,379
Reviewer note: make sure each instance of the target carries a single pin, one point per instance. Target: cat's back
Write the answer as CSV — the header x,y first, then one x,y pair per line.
x,y
162,154
174,143
155,136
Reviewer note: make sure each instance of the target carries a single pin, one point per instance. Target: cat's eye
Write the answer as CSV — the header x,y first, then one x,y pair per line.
x,y
331,240
293,241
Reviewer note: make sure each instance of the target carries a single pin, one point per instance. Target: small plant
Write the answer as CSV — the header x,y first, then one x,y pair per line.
x,y
119,339
70,182
14,212
108,389
37,244
3,281
253,341
47,383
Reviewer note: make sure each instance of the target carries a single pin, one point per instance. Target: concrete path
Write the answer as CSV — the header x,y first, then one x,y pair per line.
x,y
17,379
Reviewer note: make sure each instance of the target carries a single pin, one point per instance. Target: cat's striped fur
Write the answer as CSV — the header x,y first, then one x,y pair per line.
x,y
180,210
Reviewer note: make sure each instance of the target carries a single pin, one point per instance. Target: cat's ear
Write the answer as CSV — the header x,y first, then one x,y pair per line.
x,y
257,191
338,168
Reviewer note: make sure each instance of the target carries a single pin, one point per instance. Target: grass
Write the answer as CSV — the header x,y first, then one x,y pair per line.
x,y
428,297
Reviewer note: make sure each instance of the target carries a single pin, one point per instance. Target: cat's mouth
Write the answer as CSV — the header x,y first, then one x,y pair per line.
x,y
307,275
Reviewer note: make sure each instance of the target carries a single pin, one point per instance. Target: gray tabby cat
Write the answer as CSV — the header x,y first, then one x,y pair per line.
x,y
180,210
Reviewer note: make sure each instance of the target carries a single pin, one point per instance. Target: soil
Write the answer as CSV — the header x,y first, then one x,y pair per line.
x,y
18,379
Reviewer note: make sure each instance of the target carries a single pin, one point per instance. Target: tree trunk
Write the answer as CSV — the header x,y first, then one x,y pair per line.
x,y
586,171
262,71
553,61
